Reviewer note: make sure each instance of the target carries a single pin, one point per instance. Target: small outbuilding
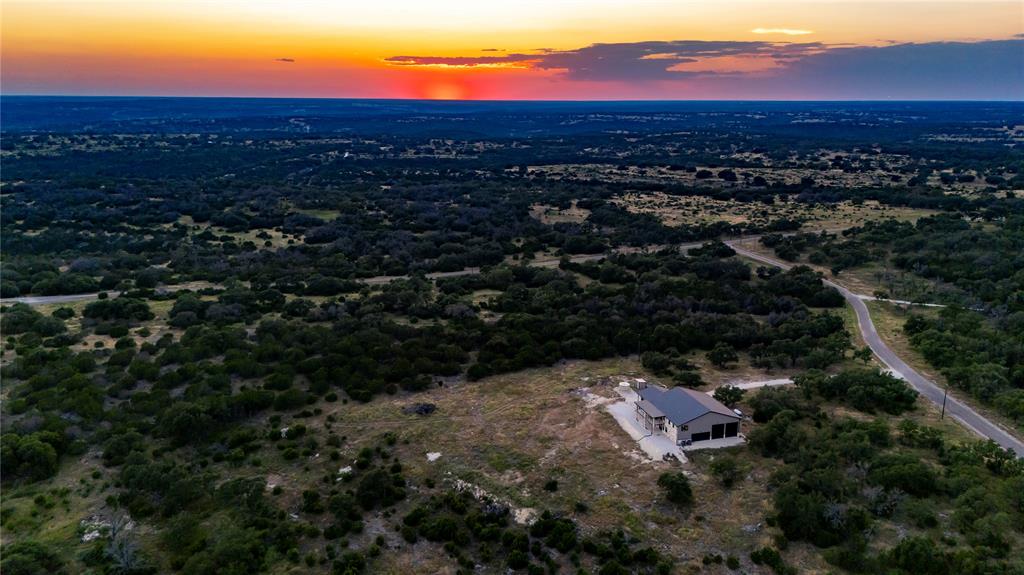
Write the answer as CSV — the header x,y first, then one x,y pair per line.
x,y
684,415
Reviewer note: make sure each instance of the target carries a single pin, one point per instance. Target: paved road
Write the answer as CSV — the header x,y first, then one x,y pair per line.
x,y
962,413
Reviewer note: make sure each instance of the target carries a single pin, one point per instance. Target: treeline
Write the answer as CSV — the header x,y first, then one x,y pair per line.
x,y
979,260
187,387
842,478
985,358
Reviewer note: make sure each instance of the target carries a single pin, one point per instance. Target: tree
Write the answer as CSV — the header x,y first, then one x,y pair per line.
x,y
36,459
677,488
864,354
729,394
722,355
185,422
125,556
687,378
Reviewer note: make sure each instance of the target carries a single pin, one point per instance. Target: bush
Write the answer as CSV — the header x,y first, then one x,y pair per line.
x,y
769,401
918,555
30,558
904,472
677,488
34,456
727,470
771,558
350,563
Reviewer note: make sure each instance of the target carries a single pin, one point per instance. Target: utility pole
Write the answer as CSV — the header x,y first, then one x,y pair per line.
x,y
945,392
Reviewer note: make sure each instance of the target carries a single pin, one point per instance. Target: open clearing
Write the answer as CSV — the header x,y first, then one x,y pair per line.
x,y
509,434
692,210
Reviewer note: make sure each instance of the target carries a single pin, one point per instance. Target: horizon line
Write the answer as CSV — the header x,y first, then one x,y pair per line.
x,y
513,101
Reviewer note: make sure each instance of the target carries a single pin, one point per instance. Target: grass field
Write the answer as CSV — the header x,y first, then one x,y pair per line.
x,y
692,210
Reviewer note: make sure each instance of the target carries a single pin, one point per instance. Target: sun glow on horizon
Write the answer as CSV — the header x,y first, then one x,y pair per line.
x,y
450,49
783,31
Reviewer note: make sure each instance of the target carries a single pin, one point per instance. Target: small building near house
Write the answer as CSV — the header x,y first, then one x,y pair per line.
x,y
685,415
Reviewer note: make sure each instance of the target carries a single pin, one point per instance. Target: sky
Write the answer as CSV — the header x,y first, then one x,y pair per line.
x,y
516,49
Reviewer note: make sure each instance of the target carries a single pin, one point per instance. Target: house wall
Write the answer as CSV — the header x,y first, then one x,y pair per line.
x,y
673,432
703,425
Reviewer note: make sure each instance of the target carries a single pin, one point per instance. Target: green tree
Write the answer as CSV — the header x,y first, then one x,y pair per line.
x,y
729,394
863,354
677,488
722,355
36,459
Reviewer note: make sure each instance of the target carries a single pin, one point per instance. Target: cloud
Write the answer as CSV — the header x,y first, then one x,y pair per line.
x,y
991,69
286,60
628,61
783,31
462,61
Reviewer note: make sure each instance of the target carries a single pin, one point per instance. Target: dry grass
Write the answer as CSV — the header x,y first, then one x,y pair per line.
x,y
889,319
693,210
551,215
510,434
789,174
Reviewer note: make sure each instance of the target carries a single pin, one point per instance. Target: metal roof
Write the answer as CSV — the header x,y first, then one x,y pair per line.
x,y
681,405
649,408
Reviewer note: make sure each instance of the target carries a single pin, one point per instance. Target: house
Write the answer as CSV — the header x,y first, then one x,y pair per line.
x,y
685,415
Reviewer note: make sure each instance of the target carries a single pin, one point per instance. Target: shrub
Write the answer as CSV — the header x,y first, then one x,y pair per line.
x,y
677,488
30,558
904,472
727,470
771,558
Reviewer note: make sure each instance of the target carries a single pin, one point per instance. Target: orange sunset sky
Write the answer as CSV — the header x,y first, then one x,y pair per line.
x,y
526,49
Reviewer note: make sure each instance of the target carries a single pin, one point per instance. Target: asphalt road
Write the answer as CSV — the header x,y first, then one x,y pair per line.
x,y
929,389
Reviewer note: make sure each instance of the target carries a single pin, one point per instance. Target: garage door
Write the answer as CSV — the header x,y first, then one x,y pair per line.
x,y
732,429
718,431
700,436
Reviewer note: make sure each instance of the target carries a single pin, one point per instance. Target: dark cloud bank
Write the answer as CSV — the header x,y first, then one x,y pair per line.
x,y
944,70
